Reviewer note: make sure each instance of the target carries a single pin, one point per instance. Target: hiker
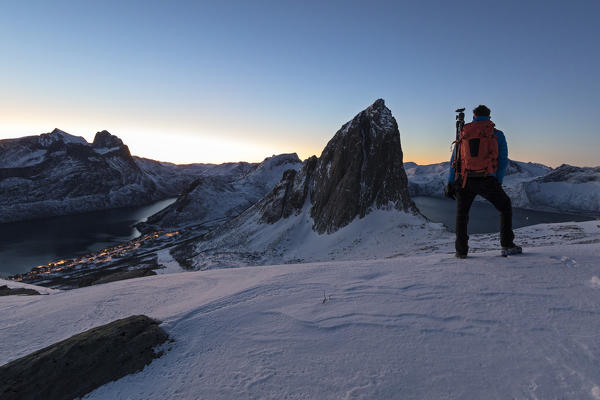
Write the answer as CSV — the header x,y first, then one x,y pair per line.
x,y
479,170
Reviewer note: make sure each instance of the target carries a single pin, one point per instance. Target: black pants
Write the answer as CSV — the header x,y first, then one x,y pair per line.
x,y
488,188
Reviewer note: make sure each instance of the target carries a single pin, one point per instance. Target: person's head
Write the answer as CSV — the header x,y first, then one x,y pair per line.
x,y
481,111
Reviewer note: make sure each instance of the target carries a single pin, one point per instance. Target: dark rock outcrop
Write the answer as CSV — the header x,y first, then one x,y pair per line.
x,y
6,291
573,174
105,139
359,170
289,196
114,276
76,366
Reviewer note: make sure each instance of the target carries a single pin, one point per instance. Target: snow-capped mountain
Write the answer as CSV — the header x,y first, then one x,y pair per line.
x,y
57,174
430,180
351,200
529,185
567,188
210,200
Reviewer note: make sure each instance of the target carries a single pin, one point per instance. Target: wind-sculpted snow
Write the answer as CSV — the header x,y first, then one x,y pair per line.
x,y
58,174
415,327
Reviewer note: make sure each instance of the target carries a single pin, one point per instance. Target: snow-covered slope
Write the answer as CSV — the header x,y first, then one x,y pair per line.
x,y
427,180
57,174
566,188
415,327
248,241
213,198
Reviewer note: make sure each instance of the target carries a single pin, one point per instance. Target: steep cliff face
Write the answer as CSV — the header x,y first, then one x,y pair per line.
x,y
359,170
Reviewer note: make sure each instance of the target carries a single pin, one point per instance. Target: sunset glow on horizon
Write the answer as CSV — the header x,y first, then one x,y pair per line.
x,y
210,83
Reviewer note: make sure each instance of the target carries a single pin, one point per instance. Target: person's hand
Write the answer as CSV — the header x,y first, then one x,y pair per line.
x,y
450,191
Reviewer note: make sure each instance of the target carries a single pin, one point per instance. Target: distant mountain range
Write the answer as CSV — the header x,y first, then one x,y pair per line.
x,y
58,174
353,201
529,185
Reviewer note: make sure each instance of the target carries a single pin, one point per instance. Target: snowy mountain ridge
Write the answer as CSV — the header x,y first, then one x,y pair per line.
x,y
210,200
529,185
58,174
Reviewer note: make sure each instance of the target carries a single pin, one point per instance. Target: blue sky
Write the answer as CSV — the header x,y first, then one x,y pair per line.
x,y
240,80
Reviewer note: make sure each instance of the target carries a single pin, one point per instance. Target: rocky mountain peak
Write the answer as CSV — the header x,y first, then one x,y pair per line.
x,y
359,170
60,136
58,132
105,139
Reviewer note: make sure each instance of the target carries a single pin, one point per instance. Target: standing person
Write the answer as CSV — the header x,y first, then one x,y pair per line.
x,y
479,169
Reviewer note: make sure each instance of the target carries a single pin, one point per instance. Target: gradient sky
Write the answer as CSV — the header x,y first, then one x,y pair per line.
x,y
194,81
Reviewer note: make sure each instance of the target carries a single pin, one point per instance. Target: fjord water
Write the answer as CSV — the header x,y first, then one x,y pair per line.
x,y
26,244
484,218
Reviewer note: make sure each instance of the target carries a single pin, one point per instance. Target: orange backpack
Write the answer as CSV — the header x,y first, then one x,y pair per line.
x,y
478,150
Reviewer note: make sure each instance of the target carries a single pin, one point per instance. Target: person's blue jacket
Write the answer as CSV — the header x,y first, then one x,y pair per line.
x,y
502,154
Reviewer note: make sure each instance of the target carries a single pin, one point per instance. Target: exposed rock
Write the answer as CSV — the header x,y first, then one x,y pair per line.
x,y
114,276
570,173
105,139
359,170
6,291
76,366
289,196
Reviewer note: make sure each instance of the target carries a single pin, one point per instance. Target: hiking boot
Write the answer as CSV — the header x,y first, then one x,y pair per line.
x,y
511,250
461,255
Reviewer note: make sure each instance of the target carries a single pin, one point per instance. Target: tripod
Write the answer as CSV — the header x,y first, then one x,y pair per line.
x,y
460,122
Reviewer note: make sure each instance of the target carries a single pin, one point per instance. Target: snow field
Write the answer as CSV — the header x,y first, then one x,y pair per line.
x,y
408,327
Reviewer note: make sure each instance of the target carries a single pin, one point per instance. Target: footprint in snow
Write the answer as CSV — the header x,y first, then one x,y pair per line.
x,y
569,262
594,283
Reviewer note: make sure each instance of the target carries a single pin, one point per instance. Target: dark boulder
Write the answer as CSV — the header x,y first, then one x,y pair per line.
x,y
76,366
6,291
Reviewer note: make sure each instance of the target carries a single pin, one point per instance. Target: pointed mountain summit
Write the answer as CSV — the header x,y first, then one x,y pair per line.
x,y
351,200
359,170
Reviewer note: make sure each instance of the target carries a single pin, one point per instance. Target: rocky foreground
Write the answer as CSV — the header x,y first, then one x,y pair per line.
x,y
73,367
